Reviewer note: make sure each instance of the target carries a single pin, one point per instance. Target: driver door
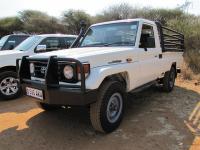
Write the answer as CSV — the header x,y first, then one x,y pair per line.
x,y
147,54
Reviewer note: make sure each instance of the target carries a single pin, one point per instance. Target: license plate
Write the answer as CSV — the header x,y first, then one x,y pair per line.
x,y
34,93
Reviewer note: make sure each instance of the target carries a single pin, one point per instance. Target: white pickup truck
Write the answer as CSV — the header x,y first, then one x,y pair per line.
x,y
9,87
108,61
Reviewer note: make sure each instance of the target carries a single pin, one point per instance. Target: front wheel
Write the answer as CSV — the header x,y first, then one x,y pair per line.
x,y
9,85
106,114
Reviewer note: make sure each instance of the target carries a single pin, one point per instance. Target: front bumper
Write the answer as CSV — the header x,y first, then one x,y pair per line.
x,y
53,92
63,95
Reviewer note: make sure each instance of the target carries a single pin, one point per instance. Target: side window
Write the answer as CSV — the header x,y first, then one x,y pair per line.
x,y
147,39
20,39
50,44
68,41
10,44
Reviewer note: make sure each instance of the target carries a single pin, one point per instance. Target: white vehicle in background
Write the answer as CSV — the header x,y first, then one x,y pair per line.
x,y
9,42
108,61
9,87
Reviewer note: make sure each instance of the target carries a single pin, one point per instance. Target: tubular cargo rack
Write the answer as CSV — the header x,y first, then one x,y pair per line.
x,y
170,40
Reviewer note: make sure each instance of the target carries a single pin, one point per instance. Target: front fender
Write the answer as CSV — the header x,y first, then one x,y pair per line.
x,y
98,74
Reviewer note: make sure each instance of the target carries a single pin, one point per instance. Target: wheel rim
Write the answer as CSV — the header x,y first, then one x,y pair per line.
x,y
9,86
114,107
172,79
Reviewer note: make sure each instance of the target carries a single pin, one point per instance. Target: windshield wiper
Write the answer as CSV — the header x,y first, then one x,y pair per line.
x,y
95,44
120,43
110,44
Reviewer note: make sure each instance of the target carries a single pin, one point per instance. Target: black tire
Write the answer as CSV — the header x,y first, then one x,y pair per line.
x,y
47,107
98,111
12,95
169,80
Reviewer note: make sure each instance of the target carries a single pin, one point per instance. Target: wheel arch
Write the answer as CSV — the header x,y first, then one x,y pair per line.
x,y
122,77
174,65
8,68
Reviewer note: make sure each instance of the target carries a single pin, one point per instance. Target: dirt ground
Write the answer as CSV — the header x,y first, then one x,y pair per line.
x,y
153,121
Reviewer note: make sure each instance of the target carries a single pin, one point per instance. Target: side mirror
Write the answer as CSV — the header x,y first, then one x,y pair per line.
x,y
68,44
41,48
11,45
11,42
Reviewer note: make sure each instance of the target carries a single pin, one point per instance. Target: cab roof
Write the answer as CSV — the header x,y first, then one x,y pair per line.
x,y
126,20
56,35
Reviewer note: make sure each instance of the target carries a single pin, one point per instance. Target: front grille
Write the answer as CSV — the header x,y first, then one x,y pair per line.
x,y
40,69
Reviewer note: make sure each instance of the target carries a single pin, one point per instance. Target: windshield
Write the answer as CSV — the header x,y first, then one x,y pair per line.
x,y
3,40
116,34
28,43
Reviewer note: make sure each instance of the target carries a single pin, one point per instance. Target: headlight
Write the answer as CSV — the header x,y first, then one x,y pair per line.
x,y
68,72
32,68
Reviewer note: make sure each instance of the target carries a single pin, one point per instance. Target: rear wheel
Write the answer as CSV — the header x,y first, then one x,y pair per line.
x,y
47,107
9,85
169,80
106,114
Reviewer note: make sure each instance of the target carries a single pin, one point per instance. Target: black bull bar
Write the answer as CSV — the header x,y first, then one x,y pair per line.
x,y
51,75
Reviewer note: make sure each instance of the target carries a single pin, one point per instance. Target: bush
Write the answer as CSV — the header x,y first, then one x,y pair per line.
x,y
40,23
9,25
186,72
72,18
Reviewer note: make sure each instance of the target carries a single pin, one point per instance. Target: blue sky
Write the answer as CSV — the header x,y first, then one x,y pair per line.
x,y
56,7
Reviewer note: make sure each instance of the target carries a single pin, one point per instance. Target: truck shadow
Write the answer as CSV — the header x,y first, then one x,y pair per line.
x,y
19,105
71,128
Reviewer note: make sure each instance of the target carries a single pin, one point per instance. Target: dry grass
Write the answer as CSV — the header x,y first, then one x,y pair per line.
x,y
188,74
192,58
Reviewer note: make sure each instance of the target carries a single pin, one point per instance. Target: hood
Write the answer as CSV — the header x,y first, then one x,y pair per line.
x,y
8,57
96,56
9,52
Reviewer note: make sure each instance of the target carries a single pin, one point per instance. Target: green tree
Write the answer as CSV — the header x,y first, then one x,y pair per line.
x,y
39,22
115,12
72,18
9,25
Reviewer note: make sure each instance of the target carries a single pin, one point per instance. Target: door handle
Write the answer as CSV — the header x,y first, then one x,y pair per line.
x,y
160,56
